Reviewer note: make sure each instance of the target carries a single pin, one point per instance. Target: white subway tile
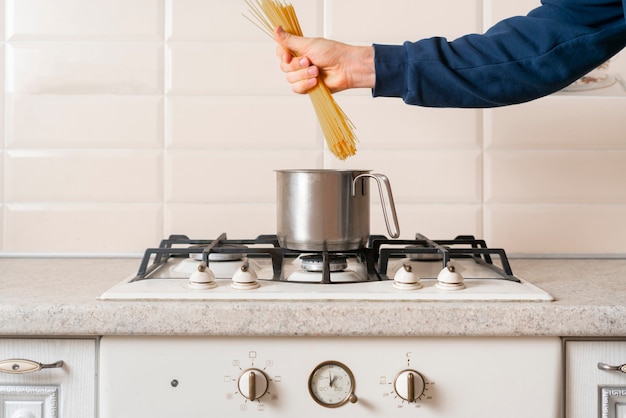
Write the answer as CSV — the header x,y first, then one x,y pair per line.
x,y
229,122
2,180
390,123
2,84
197,68
423,176
555,177
84,20
2,234
82,228
557,229
558,122
85,68
3,24
83,176
239,176
207,221
214,20
84,121
396,21
433,221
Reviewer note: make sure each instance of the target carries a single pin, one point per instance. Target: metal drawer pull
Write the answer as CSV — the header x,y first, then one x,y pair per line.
x,y
609,368
21,366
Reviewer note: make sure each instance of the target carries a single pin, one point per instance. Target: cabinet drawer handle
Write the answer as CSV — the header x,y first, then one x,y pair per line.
x,y
21,366
607,367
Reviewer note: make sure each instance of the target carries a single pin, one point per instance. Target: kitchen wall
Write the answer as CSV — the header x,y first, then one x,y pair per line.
x,y
126,121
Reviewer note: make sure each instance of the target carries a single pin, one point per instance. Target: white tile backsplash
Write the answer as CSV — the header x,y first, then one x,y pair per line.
x,y
592,177
537,229
79,20
2,177
83,176
423,176
225,21
84,121
237,220
224,68
240,176
109,228
396,21
2,21
124,122
443,221
559,123
391,124
66,68
242,122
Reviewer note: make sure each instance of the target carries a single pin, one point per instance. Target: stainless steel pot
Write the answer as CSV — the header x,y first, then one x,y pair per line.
x,y
329,210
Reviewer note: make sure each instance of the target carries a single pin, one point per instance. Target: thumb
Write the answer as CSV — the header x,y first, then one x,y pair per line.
x,y
285,39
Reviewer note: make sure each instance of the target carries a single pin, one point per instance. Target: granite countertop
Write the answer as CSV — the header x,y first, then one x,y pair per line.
x,y
59,297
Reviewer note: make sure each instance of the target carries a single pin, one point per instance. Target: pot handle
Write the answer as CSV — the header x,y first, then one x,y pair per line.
x,y
380,180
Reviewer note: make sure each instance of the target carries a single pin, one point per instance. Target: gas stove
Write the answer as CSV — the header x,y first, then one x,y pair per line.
x,y
421,269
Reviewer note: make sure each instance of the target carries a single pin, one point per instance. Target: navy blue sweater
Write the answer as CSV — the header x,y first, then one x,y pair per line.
x,y
517,60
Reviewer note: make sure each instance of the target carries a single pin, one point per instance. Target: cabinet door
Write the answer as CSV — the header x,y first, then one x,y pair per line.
x,y
593,391
47,378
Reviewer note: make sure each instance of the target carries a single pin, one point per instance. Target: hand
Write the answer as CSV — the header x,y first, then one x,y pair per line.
x,y
340,66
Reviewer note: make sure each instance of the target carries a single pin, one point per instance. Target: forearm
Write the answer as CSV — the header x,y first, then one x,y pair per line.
x,y
362,72
518,60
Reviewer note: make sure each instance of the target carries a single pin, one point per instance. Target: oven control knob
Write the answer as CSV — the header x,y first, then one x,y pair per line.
x,y
406,279
450,277
253,384
409,385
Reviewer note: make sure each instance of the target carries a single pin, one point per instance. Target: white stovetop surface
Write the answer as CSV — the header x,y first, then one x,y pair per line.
x,y
475,290
171,283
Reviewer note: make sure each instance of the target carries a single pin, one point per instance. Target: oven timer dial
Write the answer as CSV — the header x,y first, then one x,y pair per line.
x,y
253,384
409,385
331,384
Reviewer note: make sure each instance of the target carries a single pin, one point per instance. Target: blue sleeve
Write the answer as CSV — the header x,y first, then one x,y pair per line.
x,y
517,60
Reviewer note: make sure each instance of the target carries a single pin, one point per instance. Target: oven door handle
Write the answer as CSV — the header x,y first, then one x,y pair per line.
x,y
603,366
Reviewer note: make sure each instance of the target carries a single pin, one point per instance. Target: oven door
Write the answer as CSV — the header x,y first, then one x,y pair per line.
x,y
595,380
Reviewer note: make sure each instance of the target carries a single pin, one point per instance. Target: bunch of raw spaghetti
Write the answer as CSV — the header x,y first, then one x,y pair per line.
x,y
337,128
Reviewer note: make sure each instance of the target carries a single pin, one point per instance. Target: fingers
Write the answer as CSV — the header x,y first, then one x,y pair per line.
x,y
300,73
303,80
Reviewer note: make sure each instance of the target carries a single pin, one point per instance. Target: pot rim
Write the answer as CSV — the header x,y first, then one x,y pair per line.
x,y
321,170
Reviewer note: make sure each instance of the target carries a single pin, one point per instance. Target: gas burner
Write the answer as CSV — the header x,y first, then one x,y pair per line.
x,y
221,256
423,256
315,262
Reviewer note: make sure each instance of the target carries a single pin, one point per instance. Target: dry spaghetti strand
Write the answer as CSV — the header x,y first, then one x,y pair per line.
x,y
336,126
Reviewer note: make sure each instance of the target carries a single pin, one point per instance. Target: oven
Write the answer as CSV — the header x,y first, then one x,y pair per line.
x,y
339,376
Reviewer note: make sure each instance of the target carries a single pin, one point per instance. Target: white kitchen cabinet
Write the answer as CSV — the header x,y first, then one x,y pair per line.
x,y
593,391
64,388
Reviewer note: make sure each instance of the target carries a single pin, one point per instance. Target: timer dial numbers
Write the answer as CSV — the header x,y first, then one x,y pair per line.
x,y
331,384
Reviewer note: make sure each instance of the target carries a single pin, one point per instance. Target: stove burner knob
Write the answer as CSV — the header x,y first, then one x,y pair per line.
x,y
450,278
409,385
253,384
202,278
245,278
406,279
